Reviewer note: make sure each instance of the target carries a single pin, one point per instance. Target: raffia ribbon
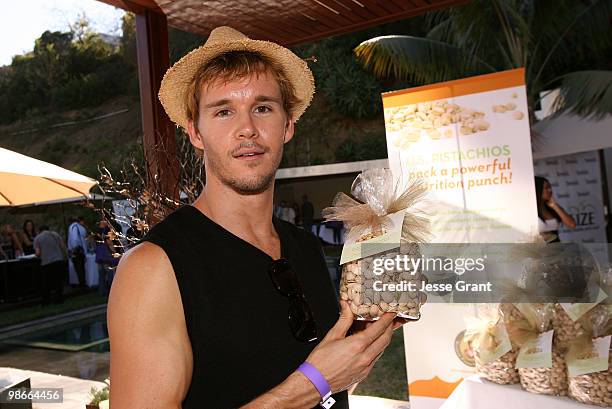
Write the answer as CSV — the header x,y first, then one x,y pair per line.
x,y
361,217
536,320
481,331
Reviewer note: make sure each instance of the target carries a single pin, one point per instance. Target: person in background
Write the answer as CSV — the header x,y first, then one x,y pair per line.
x,y
11,246
49,246
278,210
104,258
296,210
133,234
550,214
287,214
26,237
77,248
307,214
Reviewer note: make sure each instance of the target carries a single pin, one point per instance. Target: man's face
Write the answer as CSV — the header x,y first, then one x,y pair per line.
x,y
242,127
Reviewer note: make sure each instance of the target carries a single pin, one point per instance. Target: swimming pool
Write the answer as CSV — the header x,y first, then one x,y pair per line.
x,y
89,334
79,349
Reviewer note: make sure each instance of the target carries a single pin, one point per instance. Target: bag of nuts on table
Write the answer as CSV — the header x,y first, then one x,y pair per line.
x,y
541,365
589,364
383,225
494,353
571,321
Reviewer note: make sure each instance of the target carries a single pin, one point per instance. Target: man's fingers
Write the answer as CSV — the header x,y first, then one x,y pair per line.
x,y
378,328
344,323
377,347
398,322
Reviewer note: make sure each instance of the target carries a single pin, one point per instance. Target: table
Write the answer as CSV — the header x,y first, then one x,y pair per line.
x,y
19,278
91,271
75,391
476,393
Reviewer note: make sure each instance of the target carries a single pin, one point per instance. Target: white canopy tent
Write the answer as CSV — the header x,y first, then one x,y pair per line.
x,y
566,134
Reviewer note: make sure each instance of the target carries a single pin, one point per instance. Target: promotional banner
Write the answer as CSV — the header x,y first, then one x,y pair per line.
x,y
576,182
469,140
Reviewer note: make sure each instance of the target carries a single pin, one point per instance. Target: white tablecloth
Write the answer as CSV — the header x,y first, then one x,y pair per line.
x,y
327,233
75,390
475,393
91,271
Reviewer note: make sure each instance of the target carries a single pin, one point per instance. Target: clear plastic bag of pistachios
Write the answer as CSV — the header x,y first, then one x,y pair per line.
x,y
590,380
377,210
593,388
536,376
494,352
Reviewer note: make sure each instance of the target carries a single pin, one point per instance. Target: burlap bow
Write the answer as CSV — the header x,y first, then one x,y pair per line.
x,y
481,331
536,320
377,197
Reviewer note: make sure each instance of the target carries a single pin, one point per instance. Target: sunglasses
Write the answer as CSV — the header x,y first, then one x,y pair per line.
x,y
287,282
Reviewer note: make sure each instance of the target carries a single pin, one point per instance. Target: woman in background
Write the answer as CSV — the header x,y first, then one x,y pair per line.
x,y
26,236
550,214
11,246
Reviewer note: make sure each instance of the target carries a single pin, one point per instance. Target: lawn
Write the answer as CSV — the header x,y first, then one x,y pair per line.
x,y
388,377
33,313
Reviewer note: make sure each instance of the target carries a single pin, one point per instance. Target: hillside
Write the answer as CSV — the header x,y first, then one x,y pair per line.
x,y
84,144
81,139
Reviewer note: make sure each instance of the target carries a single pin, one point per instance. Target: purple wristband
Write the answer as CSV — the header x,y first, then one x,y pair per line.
x,y
316,378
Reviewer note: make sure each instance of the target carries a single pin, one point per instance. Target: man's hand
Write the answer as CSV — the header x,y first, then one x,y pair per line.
x,y
344,360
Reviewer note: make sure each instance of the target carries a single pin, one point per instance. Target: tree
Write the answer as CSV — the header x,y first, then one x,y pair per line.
x,y
556,41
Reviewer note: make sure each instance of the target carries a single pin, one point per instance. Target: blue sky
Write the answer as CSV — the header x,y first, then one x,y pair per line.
x,y
25,20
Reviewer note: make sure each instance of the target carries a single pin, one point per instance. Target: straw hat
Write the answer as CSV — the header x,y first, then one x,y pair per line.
x,y
176,81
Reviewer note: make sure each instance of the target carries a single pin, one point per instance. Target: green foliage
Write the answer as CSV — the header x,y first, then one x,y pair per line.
x,y
65,70
369,147
99,395
350,89
494,35
586,93
182,42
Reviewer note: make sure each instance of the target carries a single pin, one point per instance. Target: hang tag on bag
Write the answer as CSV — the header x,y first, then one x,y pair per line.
x,y
595,361
537,352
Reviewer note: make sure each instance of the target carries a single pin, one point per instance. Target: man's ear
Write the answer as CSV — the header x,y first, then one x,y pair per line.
x,y
194,135
289,130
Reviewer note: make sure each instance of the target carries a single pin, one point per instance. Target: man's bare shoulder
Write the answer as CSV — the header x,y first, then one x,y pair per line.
x,y
151,357
145,254
145,277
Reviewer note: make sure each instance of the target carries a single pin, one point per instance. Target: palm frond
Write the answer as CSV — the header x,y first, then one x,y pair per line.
x,y
593,20
416,59
473,27
585,93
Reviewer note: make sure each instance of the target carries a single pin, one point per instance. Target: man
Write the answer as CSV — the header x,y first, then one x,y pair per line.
x,y
307,214
77,247
220,304
288,214
50,248
105,259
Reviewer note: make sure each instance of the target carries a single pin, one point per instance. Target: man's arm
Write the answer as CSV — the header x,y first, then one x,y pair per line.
x,y
341,360
151,357
37,248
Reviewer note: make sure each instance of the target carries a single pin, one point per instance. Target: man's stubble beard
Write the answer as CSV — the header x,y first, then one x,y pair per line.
x,y
247,185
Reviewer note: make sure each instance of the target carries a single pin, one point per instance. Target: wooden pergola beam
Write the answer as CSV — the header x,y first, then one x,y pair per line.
x,y
158,131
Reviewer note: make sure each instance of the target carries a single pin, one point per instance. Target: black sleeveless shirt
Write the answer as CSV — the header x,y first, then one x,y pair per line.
x,y
236,320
